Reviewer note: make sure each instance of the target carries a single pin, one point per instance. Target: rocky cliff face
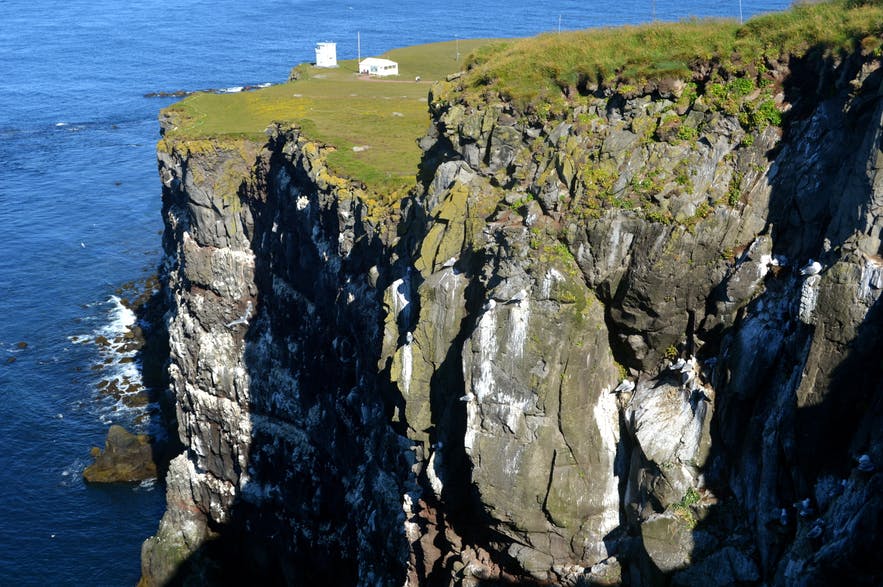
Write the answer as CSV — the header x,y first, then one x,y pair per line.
x,y
582,352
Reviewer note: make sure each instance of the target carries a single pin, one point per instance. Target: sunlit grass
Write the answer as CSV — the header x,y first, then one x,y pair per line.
x,y
547,67
373,125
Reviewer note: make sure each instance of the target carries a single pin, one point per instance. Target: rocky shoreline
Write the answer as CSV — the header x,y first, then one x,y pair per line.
x,y
143,344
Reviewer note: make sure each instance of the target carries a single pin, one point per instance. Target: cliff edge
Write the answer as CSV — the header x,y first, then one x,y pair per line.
x,y
624,330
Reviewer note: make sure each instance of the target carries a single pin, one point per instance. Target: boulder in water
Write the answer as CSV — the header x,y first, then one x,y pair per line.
x,y
126,457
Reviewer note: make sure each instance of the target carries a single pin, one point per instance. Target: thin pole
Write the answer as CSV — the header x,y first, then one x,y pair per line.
x,y
653,10
740,11
458,51
559,24
359,49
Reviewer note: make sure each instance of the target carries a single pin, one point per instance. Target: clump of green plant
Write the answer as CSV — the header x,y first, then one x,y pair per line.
x,y
688,96
647,185
682,176
734,191
684,508
659,215
521,202
687,133
703,210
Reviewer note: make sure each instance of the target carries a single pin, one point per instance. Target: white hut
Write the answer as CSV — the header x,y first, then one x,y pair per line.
x,y
377,66
326,54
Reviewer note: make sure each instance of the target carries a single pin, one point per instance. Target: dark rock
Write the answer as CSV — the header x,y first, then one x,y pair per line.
x,y
126,457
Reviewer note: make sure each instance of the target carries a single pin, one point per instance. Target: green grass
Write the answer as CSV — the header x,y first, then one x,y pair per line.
x,y
542,75
382,119
551,67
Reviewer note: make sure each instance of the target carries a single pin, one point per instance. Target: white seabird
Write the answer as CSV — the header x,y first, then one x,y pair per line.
x,y
677,365
242,319
625,386
865,464
783,517
409,337
811,268
804,508
468,397
490,304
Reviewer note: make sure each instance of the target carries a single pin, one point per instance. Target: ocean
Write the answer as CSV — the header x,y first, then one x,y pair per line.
x,y
80,212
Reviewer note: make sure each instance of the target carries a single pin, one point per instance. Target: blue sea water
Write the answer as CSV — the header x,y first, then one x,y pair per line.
x,y
80,215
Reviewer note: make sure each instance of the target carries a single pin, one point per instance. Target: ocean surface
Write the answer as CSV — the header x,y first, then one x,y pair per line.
x,y
80,217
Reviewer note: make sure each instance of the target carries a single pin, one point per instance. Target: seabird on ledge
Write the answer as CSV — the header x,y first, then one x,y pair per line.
x,y
811,268
625,386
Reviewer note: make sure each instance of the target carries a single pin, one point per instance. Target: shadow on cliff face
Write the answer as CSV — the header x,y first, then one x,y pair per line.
x,y
320,471
786,437
153,360
798,399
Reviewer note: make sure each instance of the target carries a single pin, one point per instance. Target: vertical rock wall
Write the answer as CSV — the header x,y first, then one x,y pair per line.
x,y
582,351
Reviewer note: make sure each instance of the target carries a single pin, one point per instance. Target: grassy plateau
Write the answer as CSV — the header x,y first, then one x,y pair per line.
x,y
373,124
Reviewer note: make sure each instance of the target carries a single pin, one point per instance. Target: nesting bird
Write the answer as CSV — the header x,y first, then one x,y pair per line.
x,y
811,268
804,508
677,365
625,386
865,464
817,530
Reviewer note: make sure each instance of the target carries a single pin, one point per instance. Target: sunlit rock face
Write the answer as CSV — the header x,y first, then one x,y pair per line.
x,y
433,395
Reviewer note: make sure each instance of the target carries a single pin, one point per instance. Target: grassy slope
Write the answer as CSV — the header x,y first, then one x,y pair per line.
x,y
337,107
531,71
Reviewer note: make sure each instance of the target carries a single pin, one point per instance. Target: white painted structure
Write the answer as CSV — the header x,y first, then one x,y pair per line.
x,y
326,54
377,66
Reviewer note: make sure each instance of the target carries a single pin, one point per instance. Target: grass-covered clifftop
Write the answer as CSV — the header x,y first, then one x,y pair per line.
x,y
373,125
543,72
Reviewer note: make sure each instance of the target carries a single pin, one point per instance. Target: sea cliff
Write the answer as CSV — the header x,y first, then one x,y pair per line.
x,y
590,347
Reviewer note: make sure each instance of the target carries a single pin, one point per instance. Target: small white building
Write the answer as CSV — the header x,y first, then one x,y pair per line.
x,y
377,66
326,54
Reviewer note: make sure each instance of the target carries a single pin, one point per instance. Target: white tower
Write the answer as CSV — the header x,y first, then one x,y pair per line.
x,y
326,54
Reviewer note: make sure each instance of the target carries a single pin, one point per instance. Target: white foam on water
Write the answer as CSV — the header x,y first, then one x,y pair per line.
x,y
121,316
146,485
232,90
73,473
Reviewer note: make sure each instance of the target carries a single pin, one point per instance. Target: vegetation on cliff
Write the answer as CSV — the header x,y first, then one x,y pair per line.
x,y
372,125
544,71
